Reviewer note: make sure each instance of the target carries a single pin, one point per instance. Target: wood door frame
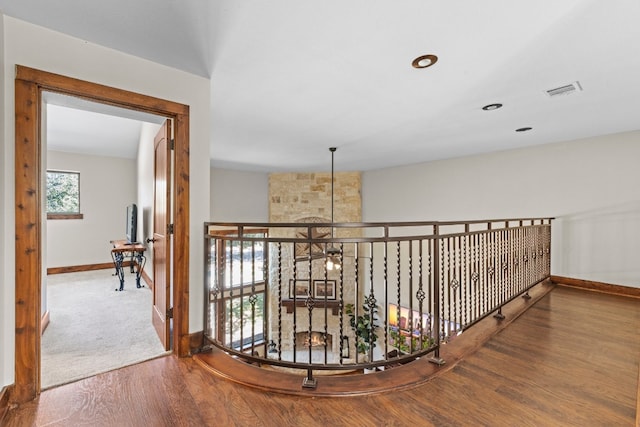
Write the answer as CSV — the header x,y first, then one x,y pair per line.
x,y
29,85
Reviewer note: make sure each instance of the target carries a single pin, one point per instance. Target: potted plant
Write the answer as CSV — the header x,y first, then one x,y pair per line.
x,y
364,326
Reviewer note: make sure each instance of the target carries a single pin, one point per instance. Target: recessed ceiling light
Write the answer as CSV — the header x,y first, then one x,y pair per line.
x,y
491,107
525,129
424,61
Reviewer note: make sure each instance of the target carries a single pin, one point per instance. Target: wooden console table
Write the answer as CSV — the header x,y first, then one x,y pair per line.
x,y
135,251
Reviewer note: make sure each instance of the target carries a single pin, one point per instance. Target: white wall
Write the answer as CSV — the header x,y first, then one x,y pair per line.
x,y
592,187
239,196
107,186
37,47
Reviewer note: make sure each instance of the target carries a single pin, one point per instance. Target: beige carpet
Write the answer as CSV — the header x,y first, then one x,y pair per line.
x,y
93,328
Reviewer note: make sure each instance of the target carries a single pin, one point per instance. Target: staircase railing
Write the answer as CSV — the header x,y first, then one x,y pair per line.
x,y
373,296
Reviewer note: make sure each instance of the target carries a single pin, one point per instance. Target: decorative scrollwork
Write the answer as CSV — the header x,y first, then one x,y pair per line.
x,y
421,295
371,301
475,276
309,302
454,284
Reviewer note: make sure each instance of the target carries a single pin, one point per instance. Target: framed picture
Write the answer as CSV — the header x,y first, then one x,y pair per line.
x,y
324,289
299,288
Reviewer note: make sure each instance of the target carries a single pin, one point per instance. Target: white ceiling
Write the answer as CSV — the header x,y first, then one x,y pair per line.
x,y
291,79
76,125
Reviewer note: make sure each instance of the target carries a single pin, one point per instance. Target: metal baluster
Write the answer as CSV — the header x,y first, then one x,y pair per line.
x,y
410,279
241,257
497,274
398,280
253,298
279,343
438,272
420,294
385,296
230,287
465,279
341,334
295,303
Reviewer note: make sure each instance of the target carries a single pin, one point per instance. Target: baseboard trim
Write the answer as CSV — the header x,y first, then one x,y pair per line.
x,y
91,267
44,322
147,279
86,267
589,285
4,403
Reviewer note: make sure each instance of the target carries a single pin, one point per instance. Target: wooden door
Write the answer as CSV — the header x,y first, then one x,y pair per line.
x,y
161,235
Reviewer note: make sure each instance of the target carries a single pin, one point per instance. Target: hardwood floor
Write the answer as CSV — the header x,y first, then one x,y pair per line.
x,y
570,360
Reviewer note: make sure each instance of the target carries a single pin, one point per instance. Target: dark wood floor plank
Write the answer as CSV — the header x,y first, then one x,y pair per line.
x,y
573,359
549,386
214,397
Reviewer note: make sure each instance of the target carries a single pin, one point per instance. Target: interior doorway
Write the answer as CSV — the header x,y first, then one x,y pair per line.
x,y
87,329
29,86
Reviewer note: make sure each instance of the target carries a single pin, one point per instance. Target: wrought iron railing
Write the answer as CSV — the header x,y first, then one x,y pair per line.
x,y
401,290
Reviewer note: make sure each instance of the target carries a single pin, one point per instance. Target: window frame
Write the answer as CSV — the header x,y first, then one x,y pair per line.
x,y
62,215
238,292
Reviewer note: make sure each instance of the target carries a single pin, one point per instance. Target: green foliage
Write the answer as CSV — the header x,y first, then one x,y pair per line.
x,y
242,311
364,326
63,192
401,342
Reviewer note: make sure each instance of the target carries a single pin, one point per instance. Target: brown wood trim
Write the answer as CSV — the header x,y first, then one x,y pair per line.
x,y
44,322
4,403
147,279
589,285
101,93
181,234
85,267
196,340
92,267
334,305
28,242
65,216
29,84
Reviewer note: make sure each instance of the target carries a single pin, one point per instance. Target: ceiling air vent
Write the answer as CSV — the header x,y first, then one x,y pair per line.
x,y
565,90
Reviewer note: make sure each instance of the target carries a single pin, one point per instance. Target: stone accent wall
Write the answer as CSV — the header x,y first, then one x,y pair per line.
x,y
294,196
306,197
